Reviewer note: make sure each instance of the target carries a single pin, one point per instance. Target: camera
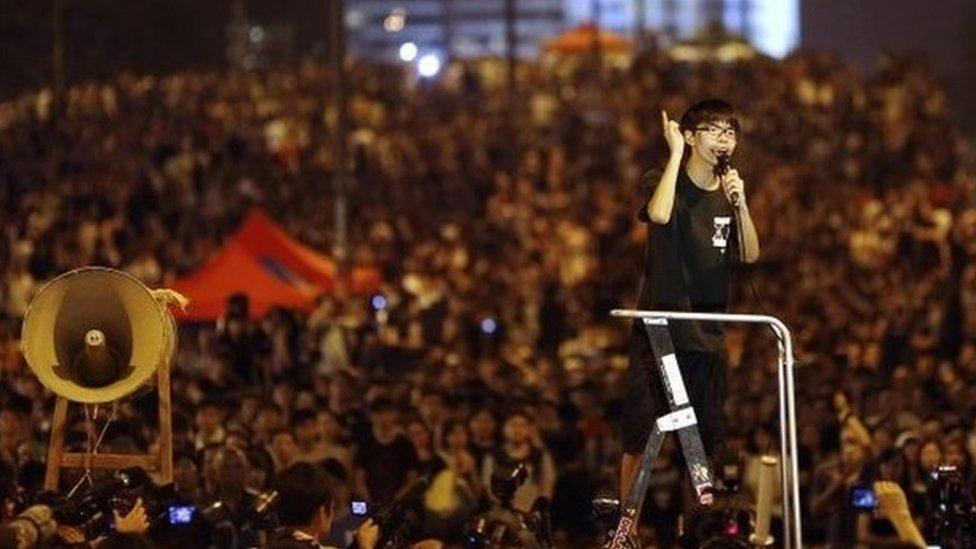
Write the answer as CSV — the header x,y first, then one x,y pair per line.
x,y
863,498
504,526
91,513
506,480
730,479
396,522
953,517
723,526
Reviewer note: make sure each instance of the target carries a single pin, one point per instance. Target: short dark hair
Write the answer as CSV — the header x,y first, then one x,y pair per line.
x,y
383,404
334,469
270,406
709,111
211,402
302,416
518,411
302,489
16,403
280,431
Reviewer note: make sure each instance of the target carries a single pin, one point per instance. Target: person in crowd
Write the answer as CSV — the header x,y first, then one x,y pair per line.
x,y
306,509
522,445
388,463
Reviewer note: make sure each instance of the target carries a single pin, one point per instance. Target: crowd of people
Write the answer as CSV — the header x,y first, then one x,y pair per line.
x,y
505,232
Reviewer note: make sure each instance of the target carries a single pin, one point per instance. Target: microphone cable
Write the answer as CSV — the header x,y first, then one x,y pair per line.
x,y
745,268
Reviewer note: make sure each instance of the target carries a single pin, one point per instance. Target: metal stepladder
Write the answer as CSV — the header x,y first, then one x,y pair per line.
x,y
682,420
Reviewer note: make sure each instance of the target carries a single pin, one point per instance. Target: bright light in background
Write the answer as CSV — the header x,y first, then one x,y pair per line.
x,y
408,51
776,26
772,26
396,20
489,326
429,65
256,34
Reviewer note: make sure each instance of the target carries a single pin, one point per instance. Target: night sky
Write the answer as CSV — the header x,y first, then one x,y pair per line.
x,y
945,30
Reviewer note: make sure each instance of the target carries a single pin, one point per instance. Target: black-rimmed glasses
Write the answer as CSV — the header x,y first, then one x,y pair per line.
x,y
718,131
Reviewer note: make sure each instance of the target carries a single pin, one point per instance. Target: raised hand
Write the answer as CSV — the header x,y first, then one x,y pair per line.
x,y
672,134
368,534
891,499
134,522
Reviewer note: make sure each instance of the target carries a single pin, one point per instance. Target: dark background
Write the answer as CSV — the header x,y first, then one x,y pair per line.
x,y
103,37
942,30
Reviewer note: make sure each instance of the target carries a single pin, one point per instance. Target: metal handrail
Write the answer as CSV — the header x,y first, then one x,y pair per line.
x,y
792,527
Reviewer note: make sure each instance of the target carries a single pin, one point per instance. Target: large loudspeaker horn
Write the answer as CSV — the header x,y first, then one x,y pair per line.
x,y
96,335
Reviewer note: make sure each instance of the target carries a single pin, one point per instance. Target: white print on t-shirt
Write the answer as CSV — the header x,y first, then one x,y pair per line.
x,y
720,238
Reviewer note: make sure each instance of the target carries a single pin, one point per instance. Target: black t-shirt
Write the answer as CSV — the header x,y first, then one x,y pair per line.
x,y
387,467
688,260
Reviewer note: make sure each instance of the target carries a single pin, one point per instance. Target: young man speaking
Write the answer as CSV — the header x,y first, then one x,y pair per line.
x,y
691,208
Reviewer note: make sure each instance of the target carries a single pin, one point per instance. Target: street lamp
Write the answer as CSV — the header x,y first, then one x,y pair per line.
x,y
408,52
429,65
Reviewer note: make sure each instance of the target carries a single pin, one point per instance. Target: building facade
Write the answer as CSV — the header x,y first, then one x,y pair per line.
x,y
772,26
466,28
472,28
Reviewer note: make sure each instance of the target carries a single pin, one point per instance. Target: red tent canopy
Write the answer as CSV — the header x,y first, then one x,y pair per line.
x,y
262,238
272,268
297,263
583,38
232,271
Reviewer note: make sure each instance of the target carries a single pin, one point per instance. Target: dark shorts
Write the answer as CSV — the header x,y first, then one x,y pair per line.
x,y
644,397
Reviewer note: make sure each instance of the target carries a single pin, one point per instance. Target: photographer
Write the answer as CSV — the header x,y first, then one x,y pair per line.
x,y
305,510
36,526
235,501
522,445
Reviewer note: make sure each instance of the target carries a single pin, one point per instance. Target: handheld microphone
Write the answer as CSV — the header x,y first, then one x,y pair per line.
x,y
722,165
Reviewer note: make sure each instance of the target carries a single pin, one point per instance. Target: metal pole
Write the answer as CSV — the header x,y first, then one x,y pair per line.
x,y
595,11
57,56
640,20
511,53
784,435
340,245
448,29
793,528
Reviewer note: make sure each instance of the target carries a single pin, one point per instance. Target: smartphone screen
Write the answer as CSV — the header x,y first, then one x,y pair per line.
x,y
181,514
358,508
863,498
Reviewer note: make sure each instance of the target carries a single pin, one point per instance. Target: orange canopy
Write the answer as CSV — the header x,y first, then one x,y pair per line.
x,y
581,40
303,265
262,237
231,271
272,268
